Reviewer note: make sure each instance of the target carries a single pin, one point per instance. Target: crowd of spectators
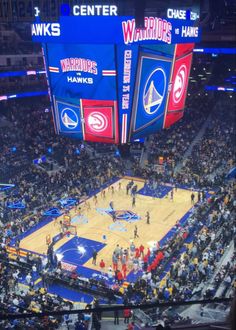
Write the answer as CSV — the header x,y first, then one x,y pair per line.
x,y
173,144
14,85
15,298
216,150
16,38
195,265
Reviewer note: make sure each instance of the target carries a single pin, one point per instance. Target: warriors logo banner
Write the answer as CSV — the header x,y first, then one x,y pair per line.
x,y
68,118
151,91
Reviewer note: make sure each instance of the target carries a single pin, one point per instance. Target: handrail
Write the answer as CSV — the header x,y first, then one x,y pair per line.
x,y
10,316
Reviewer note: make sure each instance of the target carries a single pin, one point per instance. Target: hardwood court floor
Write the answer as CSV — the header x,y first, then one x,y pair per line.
x,y
164,214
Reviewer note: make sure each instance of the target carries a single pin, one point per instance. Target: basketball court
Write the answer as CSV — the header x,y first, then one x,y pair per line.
x,y
94,228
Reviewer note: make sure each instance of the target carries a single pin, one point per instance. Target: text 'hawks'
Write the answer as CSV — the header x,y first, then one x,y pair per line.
x,y
79,64
154,29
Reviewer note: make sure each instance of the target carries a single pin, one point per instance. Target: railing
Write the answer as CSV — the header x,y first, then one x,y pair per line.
x,y
11,316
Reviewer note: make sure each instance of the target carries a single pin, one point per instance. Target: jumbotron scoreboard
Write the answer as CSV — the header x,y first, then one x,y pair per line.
x,y
112,81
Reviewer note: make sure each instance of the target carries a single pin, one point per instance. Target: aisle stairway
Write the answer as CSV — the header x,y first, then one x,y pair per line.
x,y
196,141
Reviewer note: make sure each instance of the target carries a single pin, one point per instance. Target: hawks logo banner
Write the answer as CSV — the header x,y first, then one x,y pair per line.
x,y
179,84
100,120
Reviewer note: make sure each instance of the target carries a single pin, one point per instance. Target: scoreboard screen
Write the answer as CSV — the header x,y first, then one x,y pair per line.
x,y
125,85
83,87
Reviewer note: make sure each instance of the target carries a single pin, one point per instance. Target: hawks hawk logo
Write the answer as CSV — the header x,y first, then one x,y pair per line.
x,y
97,122
179,84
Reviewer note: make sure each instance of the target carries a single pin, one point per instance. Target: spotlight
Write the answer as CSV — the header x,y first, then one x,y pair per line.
x,y
59,256
81,249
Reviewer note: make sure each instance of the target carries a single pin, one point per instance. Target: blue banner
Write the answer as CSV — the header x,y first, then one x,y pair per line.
x,y
151,92
16,205
6,186
53,212
67,202
67,118
127,59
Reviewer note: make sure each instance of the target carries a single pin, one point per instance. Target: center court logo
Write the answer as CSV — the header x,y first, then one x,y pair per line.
x,y
125,215
179,84
154,91
69,118
97,122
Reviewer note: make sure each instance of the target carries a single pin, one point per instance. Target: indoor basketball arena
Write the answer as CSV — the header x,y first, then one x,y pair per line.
x,y
117,164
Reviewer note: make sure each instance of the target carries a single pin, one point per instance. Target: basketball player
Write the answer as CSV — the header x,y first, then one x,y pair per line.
x,y
192,198
95,199
67,219
136,232
79,211
87,205
148,218
114,216
63,229
76,206
104,194
119,185
112,190
172,195
111,205
133,201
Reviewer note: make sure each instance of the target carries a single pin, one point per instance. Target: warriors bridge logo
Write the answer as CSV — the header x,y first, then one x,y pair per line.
x,y
69,118
154,91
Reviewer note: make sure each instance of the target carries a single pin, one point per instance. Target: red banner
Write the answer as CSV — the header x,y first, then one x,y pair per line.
x,y
100,122
183,49
179,84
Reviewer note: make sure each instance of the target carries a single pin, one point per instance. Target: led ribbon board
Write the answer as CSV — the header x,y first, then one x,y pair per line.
x,y
115,30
